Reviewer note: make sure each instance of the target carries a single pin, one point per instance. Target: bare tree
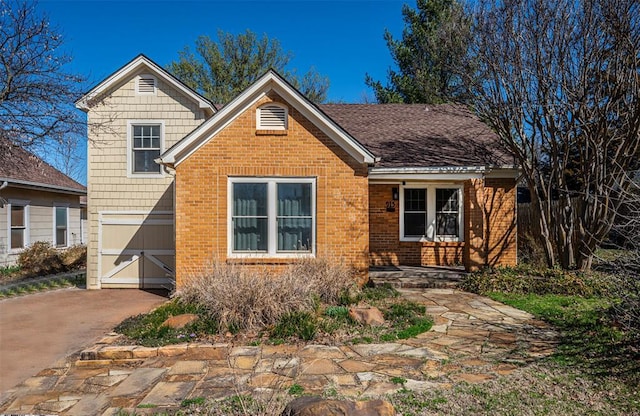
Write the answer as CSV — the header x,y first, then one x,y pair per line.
x,y
561,87
36,89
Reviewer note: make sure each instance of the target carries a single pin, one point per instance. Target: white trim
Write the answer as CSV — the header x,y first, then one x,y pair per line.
x,y
16,183
26,237
57,205
120,267
149,282
130,124
271,81
139,62
107,281
135,212
436,173
129,252
430,235
146,76
272,201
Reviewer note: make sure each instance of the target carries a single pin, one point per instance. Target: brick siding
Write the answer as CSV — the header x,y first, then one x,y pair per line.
x,y
239,150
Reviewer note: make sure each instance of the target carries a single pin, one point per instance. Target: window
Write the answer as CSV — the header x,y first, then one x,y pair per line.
x,y
447,209
415,212
61,217
431,213
145,141
272,117
272,216
18,225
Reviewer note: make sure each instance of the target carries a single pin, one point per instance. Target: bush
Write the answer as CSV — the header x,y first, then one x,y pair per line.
x,y
524,279
295,324
41,259
242,298
75,257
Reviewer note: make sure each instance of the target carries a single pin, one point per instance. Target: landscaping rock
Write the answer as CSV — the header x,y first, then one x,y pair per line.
x,y
317,406
180,321
368,316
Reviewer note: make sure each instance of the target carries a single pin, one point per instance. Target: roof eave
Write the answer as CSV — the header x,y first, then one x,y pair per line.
x,y
16,183
181,150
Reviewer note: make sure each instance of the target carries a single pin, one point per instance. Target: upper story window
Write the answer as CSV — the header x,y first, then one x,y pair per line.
x,y
18,224
146,139
271,216
272,117
431,213
146,84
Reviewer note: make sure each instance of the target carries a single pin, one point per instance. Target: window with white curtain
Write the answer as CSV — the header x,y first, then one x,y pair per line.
x,y
272,216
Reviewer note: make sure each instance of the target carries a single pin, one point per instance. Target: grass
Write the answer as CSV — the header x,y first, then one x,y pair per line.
x,y
147,329
29,286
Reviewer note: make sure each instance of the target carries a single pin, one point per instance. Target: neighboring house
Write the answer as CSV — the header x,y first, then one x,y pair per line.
x,y
37,203
175,183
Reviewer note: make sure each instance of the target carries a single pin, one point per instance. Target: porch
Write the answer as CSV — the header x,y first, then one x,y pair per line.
x,y
422,277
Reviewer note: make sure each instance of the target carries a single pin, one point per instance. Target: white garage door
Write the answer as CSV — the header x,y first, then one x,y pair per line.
x,y
136,250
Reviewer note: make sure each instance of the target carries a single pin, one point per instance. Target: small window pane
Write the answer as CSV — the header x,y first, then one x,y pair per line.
x,y
17,238
61,217
250,234
137,131
137,142
250,199
294,199
447,224
415,199
155,142
17,216
155,131
415,224
446,199
61,238
143,161
294,234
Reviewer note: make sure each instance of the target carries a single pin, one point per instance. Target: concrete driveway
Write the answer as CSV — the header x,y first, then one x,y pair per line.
x,y
39,329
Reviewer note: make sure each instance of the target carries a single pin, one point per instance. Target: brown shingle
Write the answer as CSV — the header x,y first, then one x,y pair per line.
x,y
21,165
419,135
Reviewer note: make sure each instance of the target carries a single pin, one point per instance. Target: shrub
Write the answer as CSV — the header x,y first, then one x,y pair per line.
x,y
524,279
40,259
75,257
242,298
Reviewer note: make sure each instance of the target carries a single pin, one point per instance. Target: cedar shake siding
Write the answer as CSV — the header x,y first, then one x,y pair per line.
x,y
110,187
240,150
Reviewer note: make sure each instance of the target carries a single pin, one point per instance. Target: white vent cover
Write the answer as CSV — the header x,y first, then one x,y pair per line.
x,y
272,117
146,84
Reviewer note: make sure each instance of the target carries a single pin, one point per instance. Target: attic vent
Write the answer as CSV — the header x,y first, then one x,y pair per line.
x,y
146,84
272,117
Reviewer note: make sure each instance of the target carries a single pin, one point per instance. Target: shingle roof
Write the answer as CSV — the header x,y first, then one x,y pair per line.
x,y
419,135
22,166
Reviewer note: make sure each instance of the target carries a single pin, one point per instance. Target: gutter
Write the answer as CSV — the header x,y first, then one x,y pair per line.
x,y
38,185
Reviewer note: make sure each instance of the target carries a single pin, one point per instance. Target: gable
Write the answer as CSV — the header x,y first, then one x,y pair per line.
x,y
149,73
268,83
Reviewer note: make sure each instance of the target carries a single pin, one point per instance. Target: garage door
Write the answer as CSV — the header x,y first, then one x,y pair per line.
x,y
136,250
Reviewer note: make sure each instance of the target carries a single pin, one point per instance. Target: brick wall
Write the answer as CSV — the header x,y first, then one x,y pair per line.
x,y
384,237
202,181
489,229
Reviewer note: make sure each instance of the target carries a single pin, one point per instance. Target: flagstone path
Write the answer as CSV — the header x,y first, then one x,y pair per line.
x,y
473,339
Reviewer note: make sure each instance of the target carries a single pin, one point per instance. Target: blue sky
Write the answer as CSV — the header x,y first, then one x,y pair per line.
x,y
341,39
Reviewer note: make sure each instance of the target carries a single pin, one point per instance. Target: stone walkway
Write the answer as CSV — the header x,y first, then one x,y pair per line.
x,y
474,339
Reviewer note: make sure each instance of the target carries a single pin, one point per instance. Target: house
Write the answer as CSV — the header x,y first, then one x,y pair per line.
x,y
37,203
176,182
